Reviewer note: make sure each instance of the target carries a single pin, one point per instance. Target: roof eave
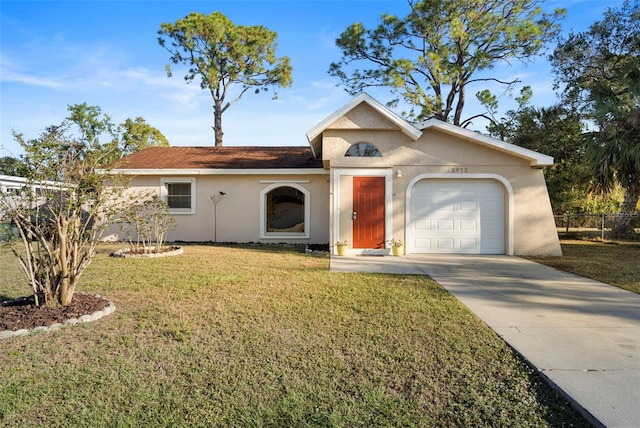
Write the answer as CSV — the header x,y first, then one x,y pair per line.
x,y
536,160
220,171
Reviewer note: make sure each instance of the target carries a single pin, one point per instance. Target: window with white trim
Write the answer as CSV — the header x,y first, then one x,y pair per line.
x,y
179,194
285,211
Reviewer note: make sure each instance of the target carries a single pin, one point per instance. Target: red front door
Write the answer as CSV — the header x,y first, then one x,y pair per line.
x,y
368,212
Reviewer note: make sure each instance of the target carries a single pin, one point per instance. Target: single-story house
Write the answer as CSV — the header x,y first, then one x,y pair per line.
x,y
367,177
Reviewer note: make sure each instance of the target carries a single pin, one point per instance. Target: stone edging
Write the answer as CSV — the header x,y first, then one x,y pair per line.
x,y
7,334
123,253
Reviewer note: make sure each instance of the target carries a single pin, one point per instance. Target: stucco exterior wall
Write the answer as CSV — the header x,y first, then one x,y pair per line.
x,y
438,154
409,155
238,210
363,117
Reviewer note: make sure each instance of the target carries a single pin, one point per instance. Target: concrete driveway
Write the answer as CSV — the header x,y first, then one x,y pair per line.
x,y
583,336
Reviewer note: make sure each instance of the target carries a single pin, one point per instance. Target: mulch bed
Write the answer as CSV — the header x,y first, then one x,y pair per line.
x,y
21,313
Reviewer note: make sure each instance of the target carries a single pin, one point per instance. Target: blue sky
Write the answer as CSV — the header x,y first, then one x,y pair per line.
x,y
105,53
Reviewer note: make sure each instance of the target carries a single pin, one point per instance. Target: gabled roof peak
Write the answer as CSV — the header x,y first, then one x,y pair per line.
x,y
314,134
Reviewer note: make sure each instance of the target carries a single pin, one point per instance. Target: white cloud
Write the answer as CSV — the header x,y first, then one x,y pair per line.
x,y
72,69
12,72
26,79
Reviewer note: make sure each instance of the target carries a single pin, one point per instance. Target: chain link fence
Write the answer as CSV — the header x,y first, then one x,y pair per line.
x,y
591,225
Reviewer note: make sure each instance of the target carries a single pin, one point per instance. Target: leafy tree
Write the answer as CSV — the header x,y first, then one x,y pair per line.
x,y
222,55
440,48
68,202
11,166
600,72
130,136
137,134
558,132
90,125
65,206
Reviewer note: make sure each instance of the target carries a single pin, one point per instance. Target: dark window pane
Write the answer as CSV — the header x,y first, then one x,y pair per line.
x,y
285,210
179,195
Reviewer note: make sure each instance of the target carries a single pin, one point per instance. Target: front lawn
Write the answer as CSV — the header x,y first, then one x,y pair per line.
x,y
612,262
267,337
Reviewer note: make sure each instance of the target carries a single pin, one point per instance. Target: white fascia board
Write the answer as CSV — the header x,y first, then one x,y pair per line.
x,y
536,159
210,171
16,181
12,178
406,127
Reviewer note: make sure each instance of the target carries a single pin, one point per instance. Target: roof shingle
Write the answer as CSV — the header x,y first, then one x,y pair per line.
x,y
220,158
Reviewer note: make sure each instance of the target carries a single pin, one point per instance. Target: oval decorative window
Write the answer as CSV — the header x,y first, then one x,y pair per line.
x,y
363,150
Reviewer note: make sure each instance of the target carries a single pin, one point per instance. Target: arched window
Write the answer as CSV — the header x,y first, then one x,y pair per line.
x,y
285,211
363,150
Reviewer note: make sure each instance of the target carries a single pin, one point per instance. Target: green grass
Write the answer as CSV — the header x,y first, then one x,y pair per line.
x,y
267,338
612,262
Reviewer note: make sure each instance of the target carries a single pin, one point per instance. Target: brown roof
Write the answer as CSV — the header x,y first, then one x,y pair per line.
x,y
220,158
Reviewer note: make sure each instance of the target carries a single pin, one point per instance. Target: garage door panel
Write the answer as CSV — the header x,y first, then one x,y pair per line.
x,y
469,206
468,244
423,224
443,207
445,224
423,242
444,244
445,189
457,216
468,225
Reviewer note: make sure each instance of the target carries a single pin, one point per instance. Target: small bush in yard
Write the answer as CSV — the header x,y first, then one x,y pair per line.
x,y
145,222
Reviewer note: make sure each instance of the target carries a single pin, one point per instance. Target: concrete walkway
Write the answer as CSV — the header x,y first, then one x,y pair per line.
x,y
582,335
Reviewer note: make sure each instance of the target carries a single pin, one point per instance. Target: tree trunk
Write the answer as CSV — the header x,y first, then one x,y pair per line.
x,y
217,124
64,263
622,224
66,295
459,106
50,299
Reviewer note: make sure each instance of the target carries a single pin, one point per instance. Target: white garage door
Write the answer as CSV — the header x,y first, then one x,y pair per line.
x,y
457,216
